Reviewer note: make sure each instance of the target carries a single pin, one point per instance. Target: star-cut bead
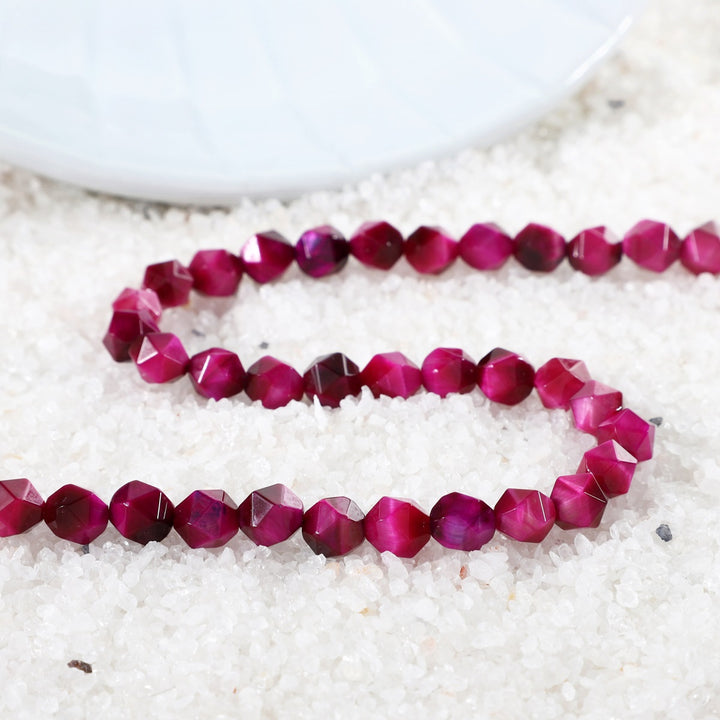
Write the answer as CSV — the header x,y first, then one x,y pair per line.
x,y
215,272
525,515
612,466
333,526
216,373
652,245
592,404
505,377
391,374
397,525
159,357
20,506
273,382
558,380
206,519
321,251
377,244
331,378
270,515
539,248
485,246
144,299
594,251
141,512
449,370
76,514
127,327
430,250
266,256
630,431
579,501
172,282
700,251
462,522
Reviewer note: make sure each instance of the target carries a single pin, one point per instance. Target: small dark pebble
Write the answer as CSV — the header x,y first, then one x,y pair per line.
x,y
197,333
663,532
264,346
656,421
616,103
80,665
85,549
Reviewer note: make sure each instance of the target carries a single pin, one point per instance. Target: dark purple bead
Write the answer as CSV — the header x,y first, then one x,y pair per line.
x,y
141,512
332,377
377,244
462,522
430,250
266,256
539,248
321,251
333,526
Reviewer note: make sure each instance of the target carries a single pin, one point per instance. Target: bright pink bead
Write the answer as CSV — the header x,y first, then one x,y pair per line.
x,y
160,357
206,519
171,281
539,248
449,370
141,512
558,380
391,374
126,327
700,251
652,245
266,256
579,501
612,466
273,382
505,377
333,526
331,378
592,404
594,251
630,431
485,246
462,522
145,299
430,250
216,373
215,272
526,515
76,514
270,515
377,244
397,525
21,506
321,251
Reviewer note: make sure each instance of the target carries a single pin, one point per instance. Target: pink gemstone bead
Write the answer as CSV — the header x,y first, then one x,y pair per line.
x,y
331,378
171,281
612,466
449,370
485,246
146,299
266,256
215,272
430,250
273,382
505,377
526,515
462,522
270,515
558,380
160,357
391,374
539,248
592,404
127,327
216,373
377,244
594,251
652,245
630,431
76,514
700,251
397,525
141,512
321,251
579,501
333,526
206,519
21,506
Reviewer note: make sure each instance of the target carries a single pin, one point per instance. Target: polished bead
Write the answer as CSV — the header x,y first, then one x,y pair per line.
x,y
321,251
592,404
20,506
700,251
449,370
526,515
397,525
266,256
141,512
594,251
127,327
462,522
630,431
216,373
485,246
270,515
215,272
539,248
652,245
391,374
612,466
505,377
160,357
171,281
76,514
206,519
144,299
558,380
377,244
273,382
333,526
331,378
430,250
579,501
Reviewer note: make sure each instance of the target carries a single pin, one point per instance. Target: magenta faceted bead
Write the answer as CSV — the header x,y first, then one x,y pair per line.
x,y
594,251
391,374
612,466
630,431
266,256
377,244
558,380
171,281
333,526
215,272
206,519
449,370
76,514
397,525
145,299
127,327
21,506
141,512
579,501
273,382
485,246
216,373
462,522
592,404
526,515
652,245
539,248
505,377
331,378
321,251
700,251
430,250
160,357
270,515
